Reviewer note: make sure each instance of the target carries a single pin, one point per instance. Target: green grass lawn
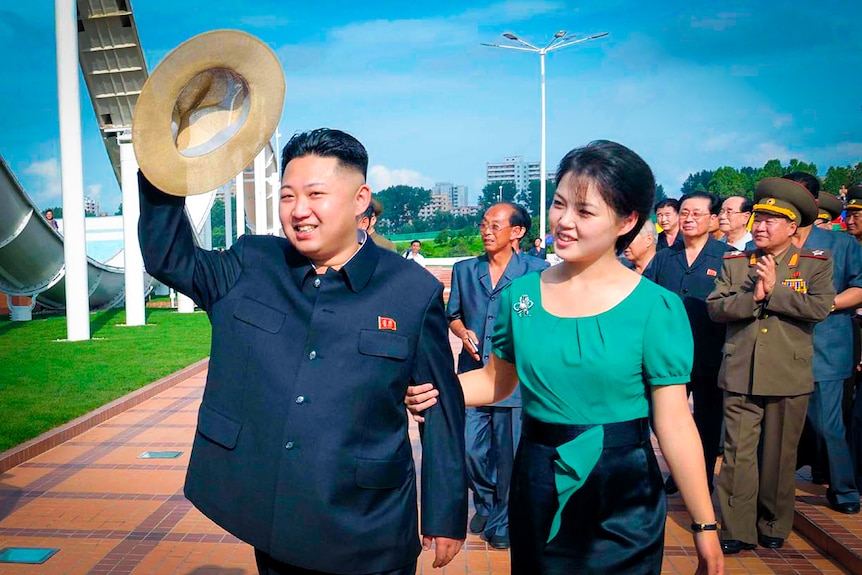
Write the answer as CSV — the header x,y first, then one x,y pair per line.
x,y
45,383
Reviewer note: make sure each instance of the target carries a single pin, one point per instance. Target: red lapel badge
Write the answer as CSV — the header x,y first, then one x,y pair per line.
x,y
795,275
385,323
711,272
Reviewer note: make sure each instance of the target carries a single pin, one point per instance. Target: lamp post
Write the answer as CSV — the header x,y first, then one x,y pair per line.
x,y
560,40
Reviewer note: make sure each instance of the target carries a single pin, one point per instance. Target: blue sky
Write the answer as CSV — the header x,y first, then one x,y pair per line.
x,y
689,85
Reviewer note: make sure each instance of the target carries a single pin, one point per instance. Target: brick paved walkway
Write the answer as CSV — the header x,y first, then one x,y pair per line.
x,y
111,513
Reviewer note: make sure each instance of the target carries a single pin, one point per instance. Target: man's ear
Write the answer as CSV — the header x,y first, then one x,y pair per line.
x,y
362,199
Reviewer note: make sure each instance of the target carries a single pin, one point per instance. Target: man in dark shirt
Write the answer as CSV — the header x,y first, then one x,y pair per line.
x,y
302,446
667,216
689,270
492,431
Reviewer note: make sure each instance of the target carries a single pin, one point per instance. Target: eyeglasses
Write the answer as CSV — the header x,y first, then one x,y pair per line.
x,y
730,212
696,216
495,228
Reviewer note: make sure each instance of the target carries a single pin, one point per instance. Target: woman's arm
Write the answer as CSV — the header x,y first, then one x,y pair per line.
x,y
494,382
680,444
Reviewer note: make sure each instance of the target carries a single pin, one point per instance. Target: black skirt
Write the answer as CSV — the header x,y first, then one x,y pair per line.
x,y
613,524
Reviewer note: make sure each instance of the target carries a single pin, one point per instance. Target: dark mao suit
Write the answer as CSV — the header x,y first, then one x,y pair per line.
x,y
693,283
302,447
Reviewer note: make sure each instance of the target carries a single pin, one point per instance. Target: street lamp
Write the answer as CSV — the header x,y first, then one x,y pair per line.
x,y
560,40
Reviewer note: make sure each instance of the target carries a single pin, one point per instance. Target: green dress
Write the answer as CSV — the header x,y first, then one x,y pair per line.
x,y
591,370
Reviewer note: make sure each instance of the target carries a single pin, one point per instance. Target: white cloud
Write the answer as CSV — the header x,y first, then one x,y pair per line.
x,y
43,181
767,151
381,177
720,142
94,192
781,120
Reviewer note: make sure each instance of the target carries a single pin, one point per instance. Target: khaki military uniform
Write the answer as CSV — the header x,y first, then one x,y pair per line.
x,y
384,243
766,374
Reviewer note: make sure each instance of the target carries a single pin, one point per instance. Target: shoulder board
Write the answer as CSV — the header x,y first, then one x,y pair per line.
x,y
814,255
733,255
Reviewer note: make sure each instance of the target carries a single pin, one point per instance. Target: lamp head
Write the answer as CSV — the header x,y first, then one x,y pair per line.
x,y
560,34
510,36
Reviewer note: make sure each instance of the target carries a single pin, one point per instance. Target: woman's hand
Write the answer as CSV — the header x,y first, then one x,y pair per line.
x,y
419,398
710,559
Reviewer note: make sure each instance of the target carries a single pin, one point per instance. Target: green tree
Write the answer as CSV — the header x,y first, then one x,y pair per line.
x,y
771,169
491,194
401,206
532,202
800,166
119,211
837,176
729,181
659,194
696,182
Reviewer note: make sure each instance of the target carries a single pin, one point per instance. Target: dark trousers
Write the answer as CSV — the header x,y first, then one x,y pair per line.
x,y
266,565
492,435
708,417
827,423
856,436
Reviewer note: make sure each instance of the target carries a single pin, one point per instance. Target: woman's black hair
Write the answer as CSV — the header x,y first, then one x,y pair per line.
x,y
625,182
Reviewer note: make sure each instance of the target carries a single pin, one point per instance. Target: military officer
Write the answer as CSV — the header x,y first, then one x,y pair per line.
x,y
829,209
770,298
853,217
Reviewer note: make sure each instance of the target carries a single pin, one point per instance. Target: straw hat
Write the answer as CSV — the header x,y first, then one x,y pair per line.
x,y
206,111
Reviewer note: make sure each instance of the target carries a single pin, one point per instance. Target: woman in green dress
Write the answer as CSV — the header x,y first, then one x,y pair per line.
x,y
593,345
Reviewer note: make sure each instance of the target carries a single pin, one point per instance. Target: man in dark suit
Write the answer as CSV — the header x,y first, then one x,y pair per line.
x,y
689,270
492,431
302,447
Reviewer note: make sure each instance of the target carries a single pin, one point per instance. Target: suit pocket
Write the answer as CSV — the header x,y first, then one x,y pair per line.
x,y
383,344
259,315
805,353
218,428
382,474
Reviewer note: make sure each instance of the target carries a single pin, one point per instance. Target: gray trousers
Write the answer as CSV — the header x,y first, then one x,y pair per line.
x,y
827,422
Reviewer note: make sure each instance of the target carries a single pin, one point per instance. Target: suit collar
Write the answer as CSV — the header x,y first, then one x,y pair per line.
x,y
357,271
512,271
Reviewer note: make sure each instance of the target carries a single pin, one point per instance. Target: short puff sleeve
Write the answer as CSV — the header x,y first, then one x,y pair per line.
x,y
668,344
502,341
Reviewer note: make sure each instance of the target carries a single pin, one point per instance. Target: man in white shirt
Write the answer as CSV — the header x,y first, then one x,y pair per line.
x,y
413,253
733,221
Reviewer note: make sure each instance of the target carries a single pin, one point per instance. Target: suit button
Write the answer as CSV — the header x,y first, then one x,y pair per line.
x,y
288,445
766,315
685,291
300,399
493,298
316,282
764,330
312,355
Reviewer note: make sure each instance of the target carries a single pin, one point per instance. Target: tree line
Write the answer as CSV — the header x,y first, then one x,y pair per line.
x,y
728,181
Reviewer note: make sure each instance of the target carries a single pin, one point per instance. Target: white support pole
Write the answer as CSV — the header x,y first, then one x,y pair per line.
x,y
543,213
71,173
134,261
207,231
228,218
239,182
185,303
276,198
260,193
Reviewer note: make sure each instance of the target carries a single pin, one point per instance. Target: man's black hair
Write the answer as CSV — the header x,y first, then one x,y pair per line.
x,y
520,217
668,203
327,143
811,183
714,202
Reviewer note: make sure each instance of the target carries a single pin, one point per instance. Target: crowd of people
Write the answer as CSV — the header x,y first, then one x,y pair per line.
x,y
564,373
